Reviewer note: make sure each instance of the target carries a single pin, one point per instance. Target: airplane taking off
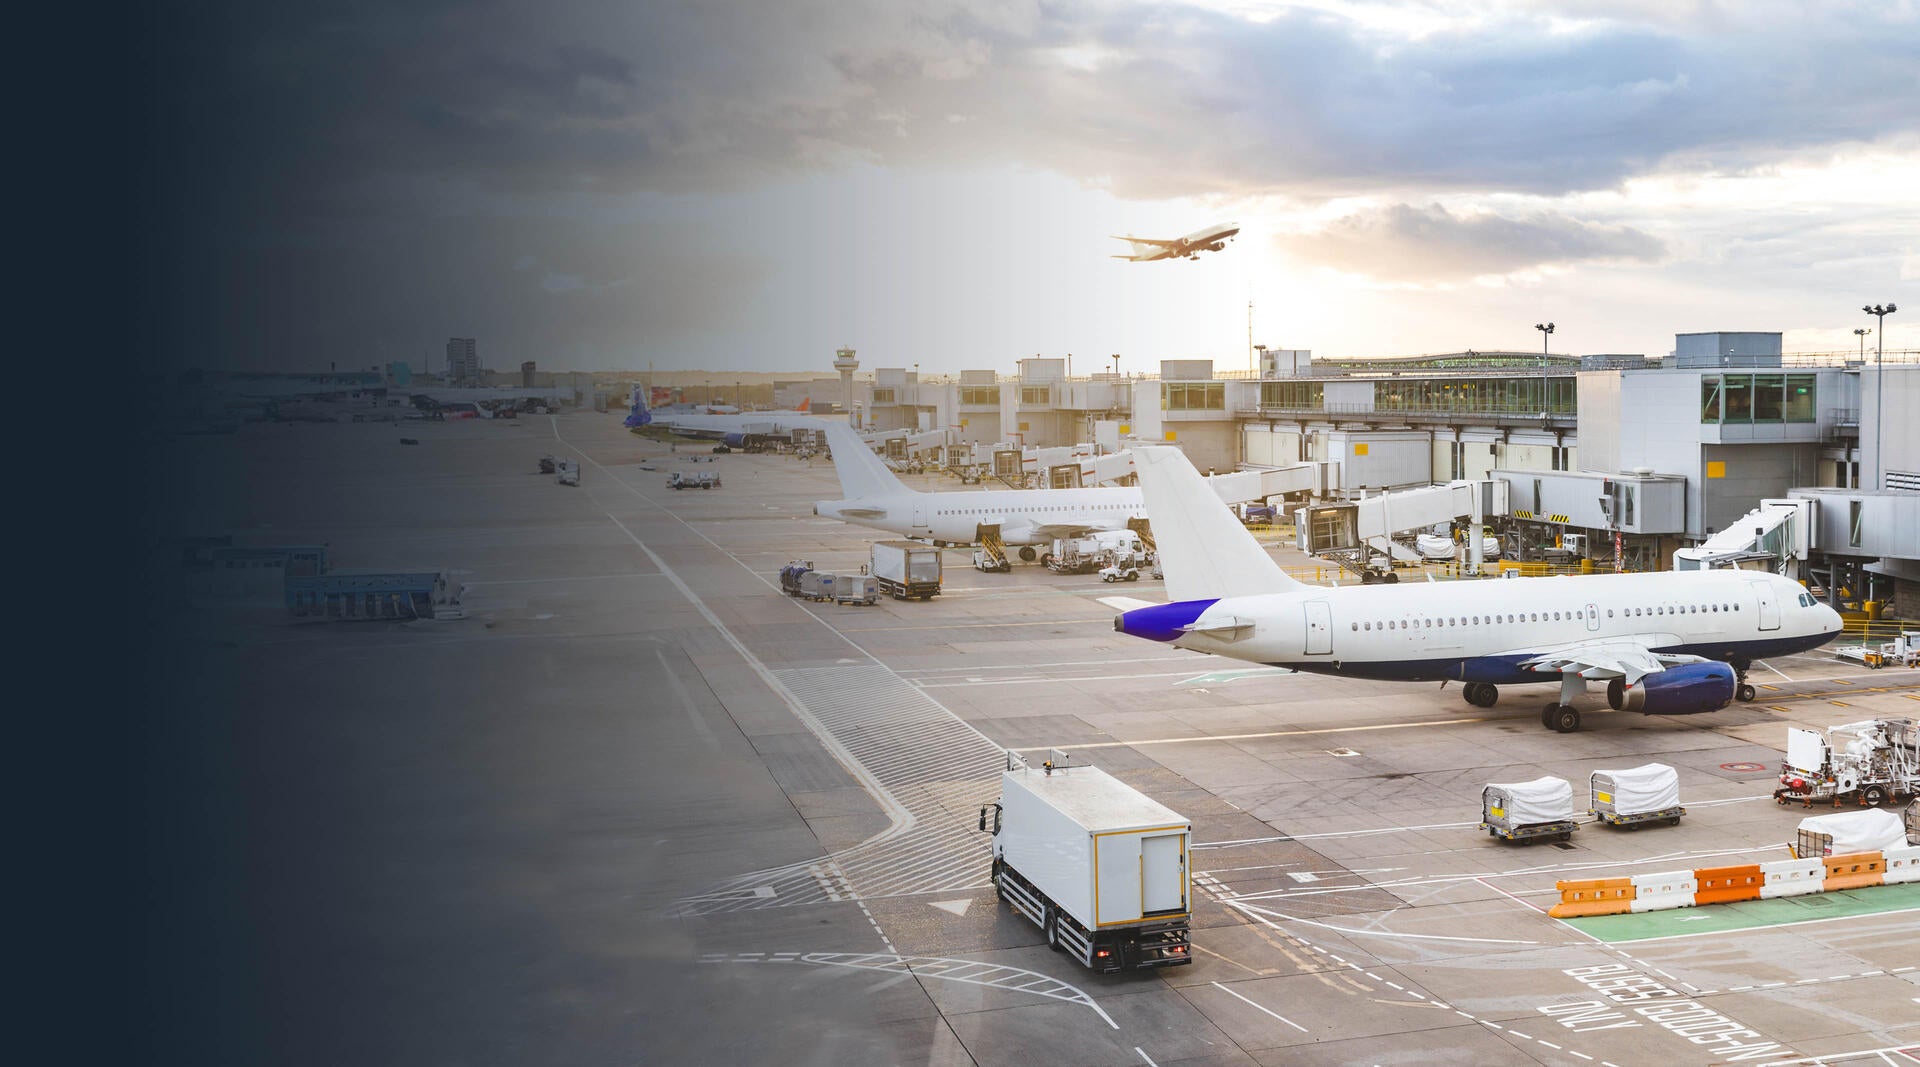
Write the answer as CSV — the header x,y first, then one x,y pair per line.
x,y
1665,644
714,422
1023,517
1211,239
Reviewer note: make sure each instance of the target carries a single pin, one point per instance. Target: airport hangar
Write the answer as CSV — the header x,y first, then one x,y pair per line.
x,y
1665,453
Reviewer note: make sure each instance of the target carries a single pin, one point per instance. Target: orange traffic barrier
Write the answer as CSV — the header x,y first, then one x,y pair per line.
x,y
1720,885
1593,896
1854,871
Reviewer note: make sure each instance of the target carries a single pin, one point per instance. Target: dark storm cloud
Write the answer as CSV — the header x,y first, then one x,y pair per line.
x,y
337,148
1409,243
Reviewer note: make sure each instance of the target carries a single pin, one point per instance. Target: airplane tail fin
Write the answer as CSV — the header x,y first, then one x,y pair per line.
x,y
638,415
1203,548
862,474
806,405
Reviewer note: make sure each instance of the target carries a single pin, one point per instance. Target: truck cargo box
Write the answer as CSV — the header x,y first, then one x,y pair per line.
x,y
906,570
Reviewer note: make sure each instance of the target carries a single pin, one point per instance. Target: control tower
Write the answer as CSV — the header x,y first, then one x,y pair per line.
x,y
844,362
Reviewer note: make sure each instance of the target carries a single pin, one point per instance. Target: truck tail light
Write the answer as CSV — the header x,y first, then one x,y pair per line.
x,y
1102,954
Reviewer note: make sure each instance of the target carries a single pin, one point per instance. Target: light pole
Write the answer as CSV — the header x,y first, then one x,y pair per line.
x,y
1879,312
1546,331
1862,333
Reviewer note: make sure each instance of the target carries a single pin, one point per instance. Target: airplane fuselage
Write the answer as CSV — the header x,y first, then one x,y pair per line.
x,y
1483,631
1025,516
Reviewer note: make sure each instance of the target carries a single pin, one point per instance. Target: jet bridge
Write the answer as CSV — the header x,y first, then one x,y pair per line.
x,y
1776,536
1346,532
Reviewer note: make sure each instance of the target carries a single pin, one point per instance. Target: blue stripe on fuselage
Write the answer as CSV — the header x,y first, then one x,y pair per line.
x,y
1161,622
1505,669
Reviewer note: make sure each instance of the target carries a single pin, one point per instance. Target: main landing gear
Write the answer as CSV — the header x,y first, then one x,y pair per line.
x,y
1560,718
1482,694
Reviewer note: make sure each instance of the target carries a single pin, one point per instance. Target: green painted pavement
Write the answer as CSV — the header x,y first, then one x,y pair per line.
x,y
1749,914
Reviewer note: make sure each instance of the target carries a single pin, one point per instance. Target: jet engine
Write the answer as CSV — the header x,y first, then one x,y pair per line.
x,y
1216,246
1684,690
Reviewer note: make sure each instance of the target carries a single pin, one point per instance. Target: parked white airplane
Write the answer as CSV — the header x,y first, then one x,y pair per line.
x,y
1211,239
1026,517
1665,644
727,424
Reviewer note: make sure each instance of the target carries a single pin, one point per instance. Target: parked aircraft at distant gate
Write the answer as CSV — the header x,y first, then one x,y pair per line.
x,y
1211,239
714,422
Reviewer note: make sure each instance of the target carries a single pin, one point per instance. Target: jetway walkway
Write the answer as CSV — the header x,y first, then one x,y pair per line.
x,y
1347,532
1776,536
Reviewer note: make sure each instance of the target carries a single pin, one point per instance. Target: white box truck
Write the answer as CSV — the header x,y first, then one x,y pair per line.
x,y
1095,863
906,570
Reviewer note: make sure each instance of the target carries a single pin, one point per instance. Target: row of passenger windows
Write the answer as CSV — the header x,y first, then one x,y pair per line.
x,y
1024,511
1544,616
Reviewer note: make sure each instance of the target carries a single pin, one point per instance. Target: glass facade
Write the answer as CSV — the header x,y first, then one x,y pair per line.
x,y
980,395
1756,398
1528,395
1193,396
883,396
1294,396
1036,395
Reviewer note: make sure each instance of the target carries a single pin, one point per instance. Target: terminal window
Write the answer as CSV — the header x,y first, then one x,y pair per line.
x,y
1756,398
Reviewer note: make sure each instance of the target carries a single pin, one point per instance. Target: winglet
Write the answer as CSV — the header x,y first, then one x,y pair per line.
x,y
1203,548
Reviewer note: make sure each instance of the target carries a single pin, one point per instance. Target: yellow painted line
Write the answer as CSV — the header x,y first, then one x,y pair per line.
x,y
1837,704
1763,685
1841,681
1913,696
1776,707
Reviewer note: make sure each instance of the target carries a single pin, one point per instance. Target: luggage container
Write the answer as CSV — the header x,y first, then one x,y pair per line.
x,y
1846,832
1528,811
817,585
791,574
1636,796
856,589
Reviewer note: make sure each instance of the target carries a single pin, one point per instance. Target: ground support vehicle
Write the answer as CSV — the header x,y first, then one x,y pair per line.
x,y
1541,809
1100,867
1867,763
1901,652
1121,565
1072,555
690,480
906,570
546,465
817,585
1635,796
567,472
856,589
791,574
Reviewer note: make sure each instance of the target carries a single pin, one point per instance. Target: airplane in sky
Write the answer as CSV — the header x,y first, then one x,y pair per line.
x,y
713,422
1211,239
1664,644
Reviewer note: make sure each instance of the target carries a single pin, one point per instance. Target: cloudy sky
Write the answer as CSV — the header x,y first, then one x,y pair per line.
x,y
748,185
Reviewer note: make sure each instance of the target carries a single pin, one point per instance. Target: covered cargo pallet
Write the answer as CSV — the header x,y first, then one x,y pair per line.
x,y
1846,832
1635,796
1519,811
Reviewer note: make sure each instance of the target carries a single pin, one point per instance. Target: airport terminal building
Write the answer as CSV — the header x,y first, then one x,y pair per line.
x,y
1640,457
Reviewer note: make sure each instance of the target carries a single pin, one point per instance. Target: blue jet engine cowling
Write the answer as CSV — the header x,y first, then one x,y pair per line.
x,y
1685,690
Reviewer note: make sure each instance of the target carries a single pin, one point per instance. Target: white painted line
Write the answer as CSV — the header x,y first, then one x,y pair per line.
x,y
1146,1057
1245,907
1272,733
1772,668
1269,1011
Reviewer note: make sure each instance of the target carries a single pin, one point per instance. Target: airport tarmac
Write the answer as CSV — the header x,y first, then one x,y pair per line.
x,y
639,807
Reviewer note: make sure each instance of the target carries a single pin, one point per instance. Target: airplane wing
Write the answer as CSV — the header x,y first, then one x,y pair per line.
x,y
1156,242
1051,530
1628,658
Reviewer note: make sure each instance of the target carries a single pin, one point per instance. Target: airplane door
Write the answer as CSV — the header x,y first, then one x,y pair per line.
x,y
1319,628
1769,606
919,514
1593,616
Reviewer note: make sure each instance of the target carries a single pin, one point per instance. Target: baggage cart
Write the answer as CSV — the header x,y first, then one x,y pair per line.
x,y
1541,809
1635,796
856,589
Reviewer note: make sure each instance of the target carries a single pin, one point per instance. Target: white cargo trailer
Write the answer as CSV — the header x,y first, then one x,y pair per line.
x,y
906,570
1096,864
1528,811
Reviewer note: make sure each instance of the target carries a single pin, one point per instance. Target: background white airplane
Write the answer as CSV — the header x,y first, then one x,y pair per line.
x,y
1664,644
1211,239
713,422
